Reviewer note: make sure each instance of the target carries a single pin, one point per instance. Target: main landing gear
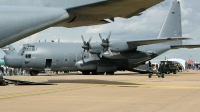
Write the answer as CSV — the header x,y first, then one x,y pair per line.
x,y
34,72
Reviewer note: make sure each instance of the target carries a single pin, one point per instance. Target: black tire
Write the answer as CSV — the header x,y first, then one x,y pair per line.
x,y
94,72
163,75
150,75
100,73
34,73
86,72
175,72
2,82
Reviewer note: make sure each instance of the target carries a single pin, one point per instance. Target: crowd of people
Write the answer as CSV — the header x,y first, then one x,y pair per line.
x,y
195,66
8,71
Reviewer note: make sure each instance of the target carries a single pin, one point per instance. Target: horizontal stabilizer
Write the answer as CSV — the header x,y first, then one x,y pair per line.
x,y
154,41
185,46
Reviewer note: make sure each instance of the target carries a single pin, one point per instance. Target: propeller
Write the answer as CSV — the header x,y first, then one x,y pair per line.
x,y
105,44
86,46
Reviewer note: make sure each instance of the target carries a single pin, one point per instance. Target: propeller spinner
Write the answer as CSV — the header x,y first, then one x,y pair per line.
x,y
105,44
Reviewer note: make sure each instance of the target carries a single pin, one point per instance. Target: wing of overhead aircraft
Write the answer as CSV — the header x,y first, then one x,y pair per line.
x,y
20,19
96,13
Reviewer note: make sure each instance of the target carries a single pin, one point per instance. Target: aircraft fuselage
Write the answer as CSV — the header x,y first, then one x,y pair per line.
x,y
65,56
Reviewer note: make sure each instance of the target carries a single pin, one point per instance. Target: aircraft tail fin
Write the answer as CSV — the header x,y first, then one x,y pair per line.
x,y
172,25
9,50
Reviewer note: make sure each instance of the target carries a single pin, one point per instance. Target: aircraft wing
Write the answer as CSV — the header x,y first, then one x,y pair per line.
x,y
185,46
153,41
94,14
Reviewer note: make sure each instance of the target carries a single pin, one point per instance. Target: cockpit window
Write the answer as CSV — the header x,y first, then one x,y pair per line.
x,y
30,48
28,55
23,50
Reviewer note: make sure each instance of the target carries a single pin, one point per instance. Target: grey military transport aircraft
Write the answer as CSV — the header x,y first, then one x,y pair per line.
x,y
107,56
22,18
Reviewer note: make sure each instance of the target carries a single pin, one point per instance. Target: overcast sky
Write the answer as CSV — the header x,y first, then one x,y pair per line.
x,y
147,25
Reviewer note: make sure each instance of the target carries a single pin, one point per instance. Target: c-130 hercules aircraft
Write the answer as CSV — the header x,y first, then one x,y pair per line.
x,y
108,56
22,18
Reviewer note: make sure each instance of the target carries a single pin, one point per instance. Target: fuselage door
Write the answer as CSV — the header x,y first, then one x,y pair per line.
x,y
48,63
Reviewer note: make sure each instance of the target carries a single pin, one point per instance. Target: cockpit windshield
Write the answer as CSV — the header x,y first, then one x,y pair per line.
x,y
28,47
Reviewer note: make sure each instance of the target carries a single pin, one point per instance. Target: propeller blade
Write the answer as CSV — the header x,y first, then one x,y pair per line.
x,y
59,40
108,36
81,54
111,54
100,37
83,38
89,40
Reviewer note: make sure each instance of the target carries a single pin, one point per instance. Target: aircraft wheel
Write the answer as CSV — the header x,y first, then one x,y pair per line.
x,y
94,72
34,73
86,72
2,81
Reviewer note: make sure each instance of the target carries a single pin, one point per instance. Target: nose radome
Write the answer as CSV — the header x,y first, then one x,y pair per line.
x,y
14,61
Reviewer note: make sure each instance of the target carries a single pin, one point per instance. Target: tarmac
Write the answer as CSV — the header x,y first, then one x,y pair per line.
x,y
122,92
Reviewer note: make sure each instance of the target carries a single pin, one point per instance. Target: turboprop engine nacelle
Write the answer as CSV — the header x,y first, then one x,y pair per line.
x,y
98,65
87,64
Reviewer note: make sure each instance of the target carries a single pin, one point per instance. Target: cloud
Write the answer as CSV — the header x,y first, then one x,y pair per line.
x,y
147,25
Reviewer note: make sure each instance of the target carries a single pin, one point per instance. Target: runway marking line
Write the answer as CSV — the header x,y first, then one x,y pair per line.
x,y
47,91
154,86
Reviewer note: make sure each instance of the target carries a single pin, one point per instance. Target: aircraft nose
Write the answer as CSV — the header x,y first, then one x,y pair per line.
x,y
14,61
